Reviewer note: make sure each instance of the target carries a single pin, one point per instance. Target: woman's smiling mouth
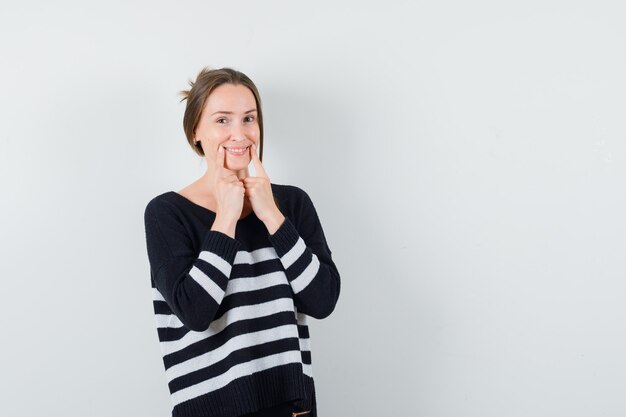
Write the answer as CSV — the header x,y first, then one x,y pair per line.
x,y
237,151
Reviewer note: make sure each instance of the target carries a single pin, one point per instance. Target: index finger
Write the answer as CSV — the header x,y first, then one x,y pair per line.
x,y
258,167
220,168
219,159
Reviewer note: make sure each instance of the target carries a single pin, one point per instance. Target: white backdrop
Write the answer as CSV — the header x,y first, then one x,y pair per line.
x,y
467,161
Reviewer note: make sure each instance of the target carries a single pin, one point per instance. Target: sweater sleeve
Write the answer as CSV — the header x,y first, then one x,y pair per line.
x,y
307,261
193,284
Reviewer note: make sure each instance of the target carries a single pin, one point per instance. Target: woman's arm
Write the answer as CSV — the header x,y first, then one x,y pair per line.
x,y
307,261
192,284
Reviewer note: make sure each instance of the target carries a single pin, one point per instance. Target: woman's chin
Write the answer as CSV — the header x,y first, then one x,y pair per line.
x,y
236,166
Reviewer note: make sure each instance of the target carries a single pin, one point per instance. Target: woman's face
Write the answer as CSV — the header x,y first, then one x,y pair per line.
x,y
229,119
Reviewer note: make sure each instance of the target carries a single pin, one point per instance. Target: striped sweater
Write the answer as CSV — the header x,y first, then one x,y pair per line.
x,y
231,314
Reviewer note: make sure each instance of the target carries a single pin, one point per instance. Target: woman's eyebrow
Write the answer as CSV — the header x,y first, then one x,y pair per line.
x,y
230,112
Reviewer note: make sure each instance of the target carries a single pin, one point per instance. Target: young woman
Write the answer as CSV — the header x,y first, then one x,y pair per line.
x,y
237,264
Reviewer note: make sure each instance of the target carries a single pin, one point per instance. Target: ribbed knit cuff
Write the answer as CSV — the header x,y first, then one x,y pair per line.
x,y
284,238
221,244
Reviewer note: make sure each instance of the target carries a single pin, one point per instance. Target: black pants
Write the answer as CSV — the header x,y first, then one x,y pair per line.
x,y
282,410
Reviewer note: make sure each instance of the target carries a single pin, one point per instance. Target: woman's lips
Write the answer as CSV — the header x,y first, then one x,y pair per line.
x,y
237,151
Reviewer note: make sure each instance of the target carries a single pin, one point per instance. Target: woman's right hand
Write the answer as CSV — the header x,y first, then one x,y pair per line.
x,y
229,194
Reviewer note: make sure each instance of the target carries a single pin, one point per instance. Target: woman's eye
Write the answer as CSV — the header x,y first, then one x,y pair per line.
x,y
221,120
249,118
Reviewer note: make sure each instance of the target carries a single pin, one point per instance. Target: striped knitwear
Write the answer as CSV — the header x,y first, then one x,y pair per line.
x,y
231,313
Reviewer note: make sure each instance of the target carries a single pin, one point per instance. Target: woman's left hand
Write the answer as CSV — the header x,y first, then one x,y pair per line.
x,y
259,192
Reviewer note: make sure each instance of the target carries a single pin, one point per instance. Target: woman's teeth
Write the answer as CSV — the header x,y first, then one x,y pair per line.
x,y
237,151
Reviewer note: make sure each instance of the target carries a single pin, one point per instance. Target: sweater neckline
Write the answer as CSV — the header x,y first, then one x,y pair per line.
x,y
191,203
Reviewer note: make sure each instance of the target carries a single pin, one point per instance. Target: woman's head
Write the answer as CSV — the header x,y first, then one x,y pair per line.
x,y
223,109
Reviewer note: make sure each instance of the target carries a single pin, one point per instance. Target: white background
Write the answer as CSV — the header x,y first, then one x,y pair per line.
x,y
467,161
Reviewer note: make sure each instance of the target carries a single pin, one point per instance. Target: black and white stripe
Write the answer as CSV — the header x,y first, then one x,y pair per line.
x,y
246,336
303,265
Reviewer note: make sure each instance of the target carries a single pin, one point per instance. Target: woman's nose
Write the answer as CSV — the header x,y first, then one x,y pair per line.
x,y
238,133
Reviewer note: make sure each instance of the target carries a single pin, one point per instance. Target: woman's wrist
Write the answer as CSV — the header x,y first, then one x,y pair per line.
x,y
274,222
226,226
